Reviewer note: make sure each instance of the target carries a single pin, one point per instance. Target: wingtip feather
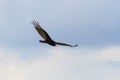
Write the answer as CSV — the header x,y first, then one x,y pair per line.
x,y
75,45
35,23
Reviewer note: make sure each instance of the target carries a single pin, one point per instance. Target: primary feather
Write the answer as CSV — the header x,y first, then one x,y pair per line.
x,y
64,44
41,31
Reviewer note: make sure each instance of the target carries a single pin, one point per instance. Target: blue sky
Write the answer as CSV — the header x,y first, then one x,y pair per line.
x,y
92,24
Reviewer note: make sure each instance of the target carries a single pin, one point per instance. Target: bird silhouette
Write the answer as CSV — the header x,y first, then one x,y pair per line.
x,y
46,37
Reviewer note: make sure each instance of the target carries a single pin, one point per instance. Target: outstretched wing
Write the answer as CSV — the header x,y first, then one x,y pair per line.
x,y
41,31
64,44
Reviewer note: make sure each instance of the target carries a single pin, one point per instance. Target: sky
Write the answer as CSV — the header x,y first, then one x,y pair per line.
x,y
92,24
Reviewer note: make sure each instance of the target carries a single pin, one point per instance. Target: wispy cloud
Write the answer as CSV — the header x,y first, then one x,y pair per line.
x,y
110,54
60,64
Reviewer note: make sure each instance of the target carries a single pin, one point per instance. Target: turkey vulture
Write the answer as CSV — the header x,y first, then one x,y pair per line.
x,y
47,38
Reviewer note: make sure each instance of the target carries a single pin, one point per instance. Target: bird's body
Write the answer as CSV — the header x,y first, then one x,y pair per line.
x,y
51,42
46,37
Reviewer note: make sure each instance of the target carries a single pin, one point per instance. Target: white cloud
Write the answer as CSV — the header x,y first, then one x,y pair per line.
x,y
60,64
110,54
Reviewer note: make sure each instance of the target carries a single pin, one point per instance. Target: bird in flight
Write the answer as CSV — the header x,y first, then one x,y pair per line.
x,y
46,37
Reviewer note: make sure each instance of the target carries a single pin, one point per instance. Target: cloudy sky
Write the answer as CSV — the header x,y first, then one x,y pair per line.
x,y
92,24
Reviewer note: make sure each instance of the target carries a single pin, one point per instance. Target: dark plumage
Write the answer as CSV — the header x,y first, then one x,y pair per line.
x,y
46,37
